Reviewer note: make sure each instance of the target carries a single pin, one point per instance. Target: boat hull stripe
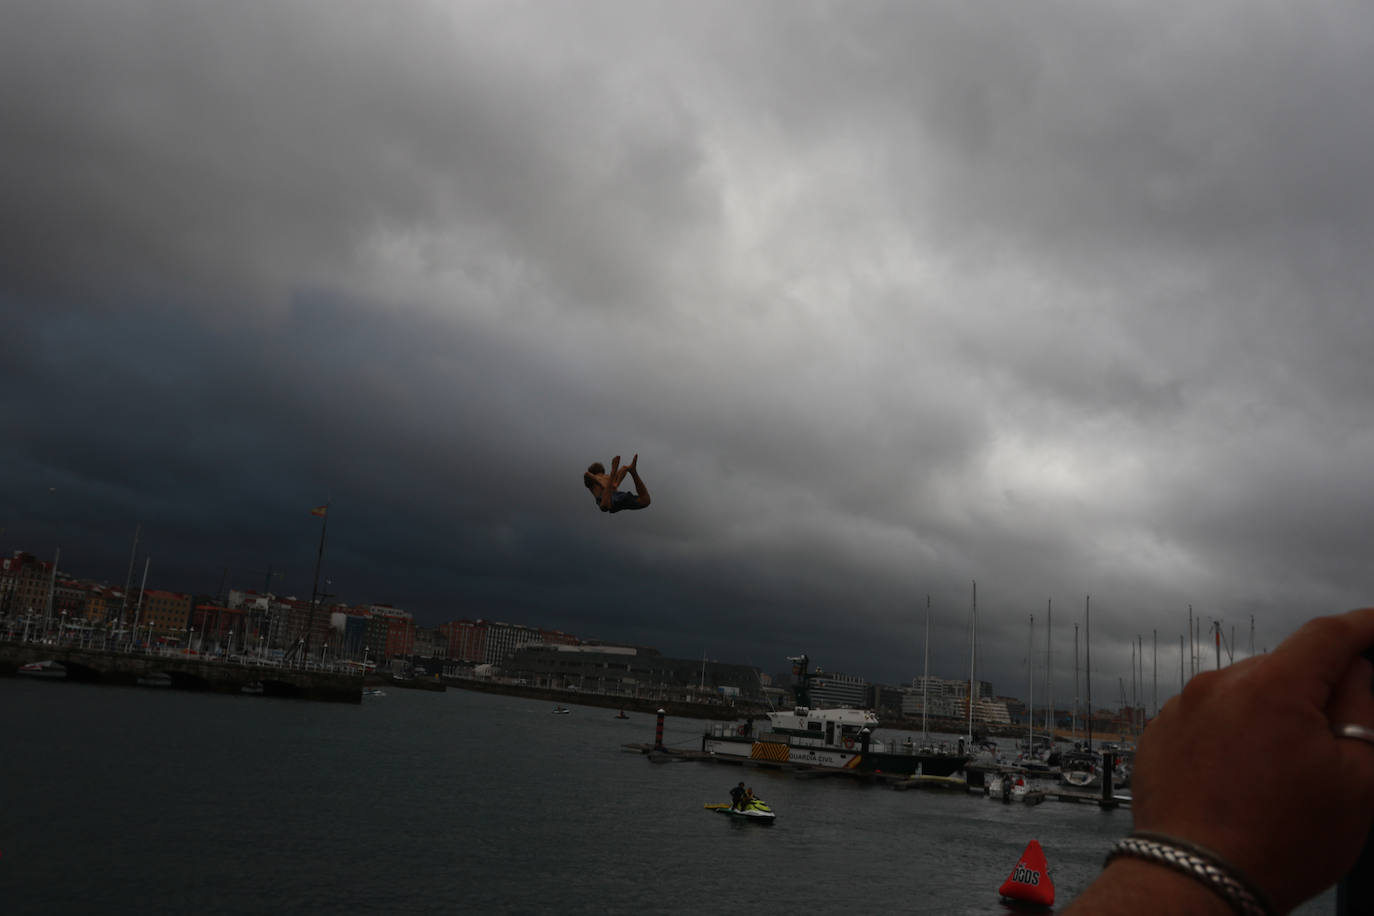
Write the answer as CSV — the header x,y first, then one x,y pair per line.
x,y
768,750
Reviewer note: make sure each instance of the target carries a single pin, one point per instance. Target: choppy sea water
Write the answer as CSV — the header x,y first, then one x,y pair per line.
x,y
123,800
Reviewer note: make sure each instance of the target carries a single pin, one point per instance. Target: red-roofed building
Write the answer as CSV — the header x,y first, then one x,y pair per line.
x,y
167,613
99,601
24,584
299,620
400,632
467,640
218,629
558,638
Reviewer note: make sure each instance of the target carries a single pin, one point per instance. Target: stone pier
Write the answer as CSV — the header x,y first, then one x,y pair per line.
x,y
185,672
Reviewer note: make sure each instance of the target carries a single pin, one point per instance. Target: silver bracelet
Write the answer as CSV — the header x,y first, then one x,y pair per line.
x,y
1199,863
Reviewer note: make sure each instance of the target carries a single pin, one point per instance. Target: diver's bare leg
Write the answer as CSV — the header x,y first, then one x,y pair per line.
x,y
608,483
641,491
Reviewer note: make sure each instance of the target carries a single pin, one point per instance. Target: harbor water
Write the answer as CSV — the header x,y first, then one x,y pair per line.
x,y
144,801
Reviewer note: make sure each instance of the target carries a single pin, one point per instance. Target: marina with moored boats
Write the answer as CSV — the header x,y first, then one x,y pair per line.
x,y
842,742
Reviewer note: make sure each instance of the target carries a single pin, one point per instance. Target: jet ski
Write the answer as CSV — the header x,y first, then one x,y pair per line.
x,y
755,810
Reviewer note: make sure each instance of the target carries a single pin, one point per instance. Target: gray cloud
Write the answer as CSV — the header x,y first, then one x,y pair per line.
x,y
1061,299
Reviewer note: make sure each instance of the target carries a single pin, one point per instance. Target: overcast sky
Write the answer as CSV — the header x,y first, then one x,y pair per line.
x,y
1067,299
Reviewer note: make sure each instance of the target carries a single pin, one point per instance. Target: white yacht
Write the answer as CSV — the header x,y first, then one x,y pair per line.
x,y
839,738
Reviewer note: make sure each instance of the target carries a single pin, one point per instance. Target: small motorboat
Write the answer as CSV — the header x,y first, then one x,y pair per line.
x,y
621,715
755,810
48,669
561,710
1023,792
1080,769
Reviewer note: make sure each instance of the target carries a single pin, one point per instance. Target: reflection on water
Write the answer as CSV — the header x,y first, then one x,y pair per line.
x,y
143,801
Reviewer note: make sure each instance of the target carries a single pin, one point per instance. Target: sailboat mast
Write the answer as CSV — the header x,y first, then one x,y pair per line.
x,y
315,588
138,609
972,660
925,675
1073,720
1088,664
1030,690
1133,662
1192,648
1140,681
1049,668
128,578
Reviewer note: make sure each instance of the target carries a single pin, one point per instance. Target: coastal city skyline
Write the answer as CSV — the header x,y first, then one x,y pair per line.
x,y
1069,302
220,623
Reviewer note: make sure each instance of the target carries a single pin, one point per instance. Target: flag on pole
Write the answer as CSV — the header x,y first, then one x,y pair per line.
x,y
320,510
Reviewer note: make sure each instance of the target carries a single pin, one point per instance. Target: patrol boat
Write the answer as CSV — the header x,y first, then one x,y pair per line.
x,y
838,738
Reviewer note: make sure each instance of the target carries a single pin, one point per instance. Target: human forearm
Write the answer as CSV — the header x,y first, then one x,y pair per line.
x,y
1130,887
1276,713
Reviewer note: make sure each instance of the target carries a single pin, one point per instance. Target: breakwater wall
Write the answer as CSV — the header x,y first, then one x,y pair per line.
x,y
676,708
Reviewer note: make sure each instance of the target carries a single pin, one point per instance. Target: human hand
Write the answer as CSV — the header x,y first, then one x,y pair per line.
x,y
1244,761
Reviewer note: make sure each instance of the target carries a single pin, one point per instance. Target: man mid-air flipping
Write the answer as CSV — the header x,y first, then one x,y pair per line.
x,y
603,485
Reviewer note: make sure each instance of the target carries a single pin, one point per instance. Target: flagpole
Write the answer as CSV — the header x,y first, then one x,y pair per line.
x,y
315,588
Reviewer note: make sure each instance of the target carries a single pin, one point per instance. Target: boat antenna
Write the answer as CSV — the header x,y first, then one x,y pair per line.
x,y
799,663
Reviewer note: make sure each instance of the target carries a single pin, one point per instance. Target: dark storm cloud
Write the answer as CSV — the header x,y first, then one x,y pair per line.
x,y
1065,300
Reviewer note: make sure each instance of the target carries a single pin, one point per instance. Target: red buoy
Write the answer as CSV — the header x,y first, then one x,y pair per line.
x,y
1029,881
